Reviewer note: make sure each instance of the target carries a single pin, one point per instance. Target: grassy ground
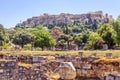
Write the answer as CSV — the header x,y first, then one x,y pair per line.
x,y
100,53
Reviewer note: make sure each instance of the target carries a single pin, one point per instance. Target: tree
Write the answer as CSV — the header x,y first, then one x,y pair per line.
x,y
3,35
76,29
108,34
22,38
78,39
67,38
67,30
92,39
43,39
85,36
56,32
116,27
11,32
99,43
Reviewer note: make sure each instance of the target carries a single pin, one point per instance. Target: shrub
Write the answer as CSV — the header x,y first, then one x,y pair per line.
x,y
28,47
5,46
38,49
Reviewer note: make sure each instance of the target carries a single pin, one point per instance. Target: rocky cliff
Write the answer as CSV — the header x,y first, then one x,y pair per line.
x,y
63,19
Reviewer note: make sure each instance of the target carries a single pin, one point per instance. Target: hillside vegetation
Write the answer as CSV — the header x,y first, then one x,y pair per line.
x,y
91,31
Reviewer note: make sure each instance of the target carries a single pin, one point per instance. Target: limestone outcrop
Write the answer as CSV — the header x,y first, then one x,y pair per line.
x,y
66,18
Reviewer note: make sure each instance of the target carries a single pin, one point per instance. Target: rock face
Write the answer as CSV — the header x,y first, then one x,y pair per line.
x,y
63,19
66,70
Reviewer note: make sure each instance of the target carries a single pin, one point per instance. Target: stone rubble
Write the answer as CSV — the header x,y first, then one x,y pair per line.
x,y
48,67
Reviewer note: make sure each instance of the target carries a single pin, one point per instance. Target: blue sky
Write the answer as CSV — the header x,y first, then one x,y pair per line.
x,y
14,11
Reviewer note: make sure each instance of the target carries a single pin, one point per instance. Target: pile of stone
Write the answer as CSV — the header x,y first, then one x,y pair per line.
x,y
8,70
49,67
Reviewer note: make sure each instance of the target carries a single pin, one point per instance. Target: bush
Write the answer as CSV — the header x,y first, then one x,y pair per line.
x,y
38,49
5,46
28,47
87,47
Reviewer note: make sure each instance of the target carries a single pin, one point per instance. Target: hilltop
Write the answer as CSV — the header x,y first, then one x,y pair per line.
x,y
64,19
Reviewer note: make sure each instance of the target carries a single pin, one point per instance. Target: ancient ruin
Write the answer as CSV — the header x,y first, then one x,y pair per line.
x,y
55,67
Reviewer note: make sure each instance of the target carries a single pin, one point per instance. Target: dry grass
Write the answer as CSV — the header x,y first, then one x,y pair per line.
x,y
106,60
54,76
100,53
24,64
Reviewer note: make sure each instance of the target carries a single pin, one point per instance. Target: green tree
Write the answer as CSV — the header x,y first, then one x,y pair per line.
x,y
76,29
3,35
92,39
116,27
78,39
67,30
11,33
23,38
108,34
67,38
43,39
